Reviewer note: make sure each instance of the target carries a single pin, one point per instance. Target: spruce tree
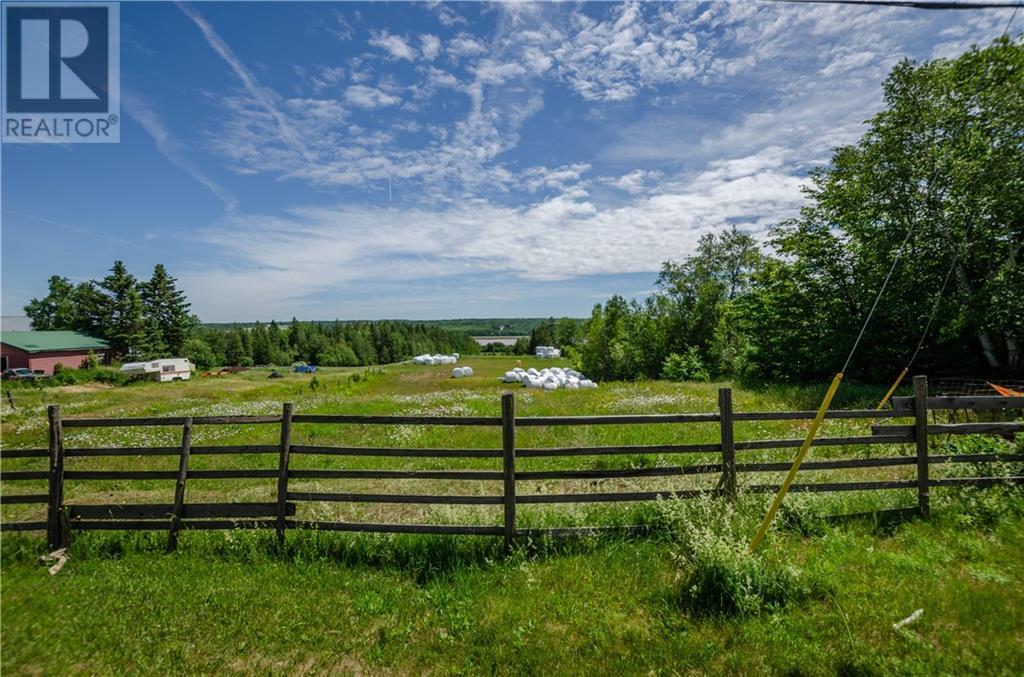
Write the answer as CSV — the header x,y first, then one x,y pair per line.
x,y
123,322
166,310
128,332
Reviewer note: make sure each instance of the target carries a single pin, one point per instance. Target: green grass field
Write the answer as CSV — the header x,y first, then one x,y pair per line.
x,y
350,604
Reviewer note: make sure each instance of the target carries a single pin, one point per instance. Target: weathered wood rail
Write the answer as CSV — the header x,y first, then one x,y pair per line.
x,y
280,514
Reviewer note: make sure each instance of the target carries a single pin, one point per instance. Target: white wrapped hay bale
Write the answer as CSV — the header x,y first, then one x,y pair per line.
x,y
511,377
467,371
458,372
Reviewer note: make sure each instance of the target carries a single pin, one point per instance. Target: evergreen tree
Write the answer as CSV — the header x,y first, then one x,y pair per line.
x,y
129,331
234,347
121,309
168,310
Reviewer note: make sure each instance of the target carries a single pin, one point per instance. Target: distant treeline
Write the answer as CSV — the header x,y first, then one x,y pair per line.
x,y
338,344
497,326
150,318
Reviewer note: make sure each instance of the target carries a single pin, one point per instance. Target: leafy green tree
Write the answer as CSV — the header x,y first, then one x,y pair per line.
x,y
522,346
545,334
942,165
199,353
685,367
567,332
56,310
700,290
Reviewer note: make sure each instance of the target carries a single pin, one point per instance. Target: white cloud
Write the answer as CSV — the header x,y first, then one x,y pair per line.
x,y
287,261
637,181
263,97
321,78
446,15
613,60
430,46
142,112
787,82
463,45
394,45
339,26
369,97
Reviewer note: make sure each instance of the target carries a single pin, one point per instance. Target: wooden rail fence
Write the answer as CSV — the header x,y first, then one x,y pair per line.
x,y
279,515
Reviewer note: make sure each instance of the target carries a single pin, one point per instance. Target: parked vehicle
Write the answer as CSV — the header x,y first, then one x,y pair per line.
x,y
304,369
170,369
20,374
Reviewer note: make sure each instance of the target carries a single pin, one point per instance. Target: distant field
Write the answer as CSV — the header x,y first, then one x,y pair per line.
x,y
370,605
503,340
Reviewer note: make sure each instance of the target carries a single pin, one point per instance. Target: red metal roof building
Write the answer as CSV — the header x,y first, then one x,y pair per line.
x,y
41,351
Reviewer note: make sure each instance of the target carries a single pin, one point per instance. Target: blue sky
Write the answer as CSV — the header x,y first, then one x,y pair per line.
x,y
363,161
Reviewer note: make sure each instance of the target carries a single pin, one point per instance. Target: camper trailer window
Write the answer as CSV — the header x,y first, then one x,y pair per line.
x,y
167,368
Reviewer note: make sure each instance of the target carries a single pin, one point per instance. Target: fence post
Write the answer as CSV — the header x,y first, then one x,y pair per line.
x,y
921,438
179,486
54,532
282,468
728,442
508,444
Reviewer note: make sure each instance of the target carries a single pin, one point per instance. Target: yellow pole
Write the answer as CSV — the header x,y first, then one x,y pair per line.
x,y
811,432
895,385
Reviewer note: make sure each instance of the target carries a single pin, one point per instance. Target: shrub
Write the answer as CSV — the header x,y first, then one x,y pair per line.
x,y
982,506
91,361
804,515
686,367
65,376
716,574
719,577
199,353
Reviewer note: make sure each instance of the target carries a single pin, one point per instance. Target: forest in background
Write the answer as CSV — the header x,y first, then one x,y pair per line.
x,y
146,319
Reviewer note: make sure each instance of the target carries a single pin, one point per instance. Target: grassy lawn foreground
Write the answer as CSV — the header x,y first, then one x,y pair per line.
x,y
599,608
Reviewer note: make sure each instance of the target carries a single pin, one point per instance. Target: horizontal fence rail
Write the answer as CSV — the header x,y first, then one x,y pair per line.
x,y
281,514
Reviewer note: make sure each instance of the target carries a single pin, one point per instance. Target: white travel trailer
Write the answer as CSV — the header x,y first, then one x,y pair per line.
x,y
170,369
